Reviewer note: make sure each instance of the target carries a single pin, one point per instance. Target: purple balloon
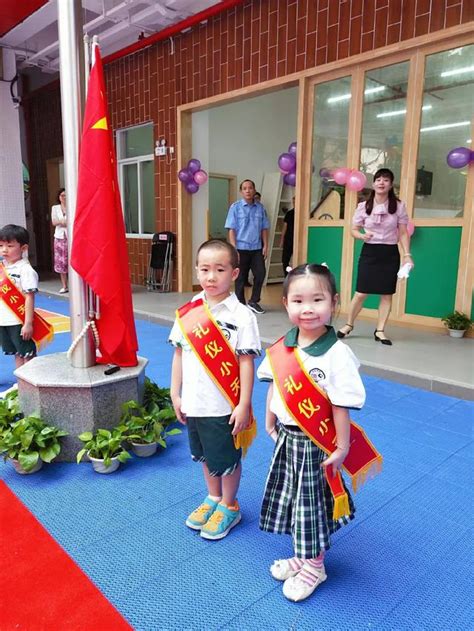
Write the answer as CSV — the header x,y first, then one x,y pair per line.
x,y
324,172
292,148
290,179
287,162
185,175
194,165
459,157
192,187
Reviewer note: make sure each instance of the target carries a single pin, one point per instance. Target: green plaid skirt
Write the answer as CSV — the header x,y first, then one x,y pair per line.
x,y
297,499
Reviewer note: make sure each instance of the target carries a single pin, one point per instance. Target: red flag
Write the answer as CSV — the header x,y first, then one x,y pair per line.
x,y
99,247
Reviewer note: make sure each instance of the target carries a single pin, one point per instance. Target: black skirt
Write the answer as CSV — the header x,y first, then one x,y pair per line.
x,y
377,270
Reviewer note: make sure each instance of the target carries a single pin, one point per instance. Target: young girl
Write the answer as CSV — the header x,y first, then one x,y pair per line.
x,y
298,499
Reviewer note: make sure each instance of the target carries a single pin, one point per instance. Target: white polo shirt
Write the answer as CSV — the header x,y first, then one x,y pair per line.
x,y
26,280
331,364
199,395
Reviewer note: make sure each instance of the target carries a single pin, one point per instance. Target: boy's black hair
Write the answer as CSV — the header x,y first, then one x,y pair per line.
x,y
12,232
392,198
246,180
311,269
220,244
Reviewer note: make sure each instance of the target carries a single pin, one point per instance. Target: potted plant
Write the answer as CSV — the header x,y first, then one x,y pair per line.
x,y
153,396
104,448
147,428
9,409
457,323
28,442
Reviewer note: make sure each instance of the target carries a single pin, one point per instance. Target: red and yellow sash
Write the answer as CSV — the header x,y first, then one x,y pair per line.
x,y
15,301
217,357
310,407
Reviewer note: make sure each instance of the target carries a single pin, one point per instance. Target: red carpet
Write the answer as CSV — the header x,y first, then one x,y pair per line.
x,y
41,588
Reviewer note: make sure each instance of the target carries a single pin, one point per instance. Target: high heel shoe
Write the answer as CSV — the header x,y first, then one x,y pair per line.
x,y
340,334
385,341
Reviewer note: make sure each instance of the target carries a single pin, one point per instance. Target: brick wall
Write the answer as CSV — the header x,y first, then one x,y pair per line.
x,y
254,42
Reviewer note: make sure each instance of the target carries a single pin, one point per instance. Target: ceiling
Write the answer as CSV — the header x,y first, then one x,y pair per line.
x,y
29,27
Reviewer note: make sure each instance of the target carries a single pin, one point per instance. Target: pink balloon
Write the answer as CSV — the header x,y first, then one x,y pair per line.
x,y
200,177
340,175
356,181
410,228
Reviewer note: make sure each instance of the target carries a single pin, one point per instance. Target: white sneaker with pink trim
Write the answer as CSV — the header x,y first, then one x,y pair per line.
x,y
299,587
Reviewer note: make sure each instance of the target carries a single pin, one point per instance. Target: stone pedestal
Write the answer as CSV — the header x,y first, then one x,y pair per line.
x,y
76,399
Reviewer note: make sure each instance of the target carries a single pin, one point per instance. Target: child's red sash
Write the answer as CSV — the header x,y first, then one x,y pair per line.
x,y
310,407
15,301
217,357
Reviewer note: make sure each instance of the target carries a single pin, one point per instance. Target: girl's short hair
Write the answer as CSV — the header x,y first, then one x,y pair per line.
x,y
311,269
219,244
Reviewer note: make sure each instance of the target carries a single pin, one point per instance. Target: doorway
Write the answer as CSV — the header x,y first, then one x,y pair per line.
x,y
222,193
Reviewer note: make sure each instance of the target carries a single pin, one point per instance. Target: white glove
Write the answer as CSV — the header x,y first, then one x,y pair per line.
x,y
404,271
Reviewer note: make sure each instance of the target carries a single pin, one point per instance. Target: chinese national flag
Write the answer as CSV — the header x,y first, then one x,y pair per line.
x,y
99,248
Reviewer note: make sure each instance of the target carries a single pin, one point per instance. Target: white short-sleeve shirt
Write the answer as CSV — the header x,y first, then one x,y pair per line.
x,y
331,364
199,395
26,279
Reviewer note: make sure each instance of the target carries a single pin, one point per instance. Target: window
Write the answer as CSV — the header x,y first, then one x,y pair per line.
x,y
385,106
330,130
446,123
136,176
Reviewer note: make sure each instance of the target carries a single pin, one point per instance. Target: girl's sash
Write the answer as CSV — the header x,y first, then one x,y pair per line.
x,y
217,358
310,407
15,301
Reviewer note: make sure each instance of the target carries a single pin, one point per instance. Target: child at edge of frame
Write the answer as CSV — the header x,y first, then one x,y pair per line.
x,y
298,499
214,424
15,333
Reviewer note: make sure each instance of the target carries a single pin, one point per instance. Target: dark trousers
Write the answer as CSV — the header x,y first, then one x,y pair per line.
x,y
250,260
286,257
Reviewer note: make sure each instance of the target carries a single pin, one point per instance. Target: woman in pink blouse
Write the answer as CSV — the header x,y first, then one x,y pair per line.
x,y
384,220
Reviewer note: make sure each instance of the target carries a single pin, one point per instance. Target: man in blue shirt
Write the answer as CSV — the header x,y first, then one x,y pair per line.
x,y
248,225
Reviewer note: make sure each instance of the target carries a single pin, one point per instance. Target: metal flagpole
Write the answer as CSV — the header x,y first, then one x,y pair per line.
x,y
71,68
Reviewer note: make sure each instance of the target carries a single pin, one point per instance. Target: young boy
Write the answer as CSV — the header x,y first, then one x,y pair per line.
x,y
216,340
15,331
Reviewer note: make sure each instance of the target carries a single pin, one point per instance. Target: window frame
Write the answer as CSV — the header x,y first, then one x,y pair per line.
x,y
138,160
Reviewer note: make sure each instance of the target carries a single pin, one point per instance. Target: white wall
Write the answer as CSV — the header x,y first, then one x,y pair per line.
x,y
242,139
12,206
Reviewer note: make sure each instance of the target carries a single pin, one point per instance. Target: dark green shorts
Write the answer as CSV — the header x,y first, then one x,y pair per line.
x,y
211,441
14,344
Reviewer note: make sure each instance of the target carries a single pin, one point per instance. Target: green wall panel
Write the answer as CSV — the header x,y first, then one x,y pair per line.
x,y
431,288
372,302
325,246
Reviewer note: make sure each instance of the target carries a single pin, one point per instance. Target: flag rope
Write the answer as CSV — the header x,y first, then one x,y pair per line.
x,y
90,324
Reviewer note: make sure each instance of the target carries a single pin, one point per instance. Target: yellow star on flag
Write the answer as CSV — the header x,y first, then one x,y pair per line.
x,y
101,124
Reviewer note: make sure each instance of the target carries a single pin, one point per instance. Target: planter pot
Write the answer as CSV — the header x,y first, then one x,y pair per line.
x,y
144,450
456,332
99,466
19,469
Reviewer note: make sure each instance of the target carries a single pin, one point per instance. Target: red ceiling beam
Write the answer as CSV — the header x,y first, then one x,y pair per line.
x,y
174,29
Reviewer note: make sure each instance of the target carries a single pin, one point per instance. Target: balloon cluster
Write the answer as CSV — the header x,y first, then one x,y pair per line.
x,y
192,176
459,157
352,179
287,165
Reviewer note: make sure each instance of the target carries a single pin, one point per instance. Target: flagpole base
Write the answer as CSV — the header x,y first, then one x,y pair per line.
x,y
77,399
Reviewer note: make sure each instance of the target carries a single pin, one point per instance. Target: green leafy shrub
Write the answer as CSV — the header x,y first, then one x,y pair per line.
x,y
148,425
457,321
29,439
104,444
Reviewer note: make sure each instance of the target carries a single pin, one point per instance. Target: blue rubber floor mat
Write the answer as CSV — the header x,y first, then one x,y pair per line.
x,y
403,563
